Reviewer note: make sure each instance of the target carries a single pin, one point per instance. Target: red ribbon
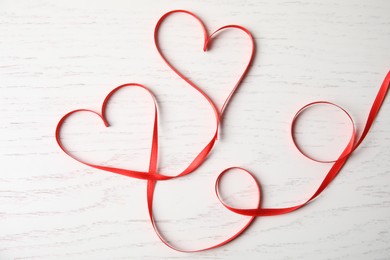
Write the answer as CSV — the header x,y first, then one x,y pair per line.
x,y
153,175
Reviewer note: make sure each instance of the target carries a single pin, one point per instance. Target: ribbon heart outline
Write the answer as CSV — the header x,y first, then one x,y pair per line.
x,y
152,173
103,117
208,38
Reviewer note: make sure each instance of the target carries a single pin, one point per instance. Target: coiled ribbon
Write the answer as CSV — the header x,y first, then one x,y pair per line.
x,y
152,176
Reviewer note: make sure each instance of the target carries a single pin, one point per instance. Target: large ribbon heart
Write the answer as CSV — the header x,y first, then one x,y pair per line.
x,y
152,173
208,38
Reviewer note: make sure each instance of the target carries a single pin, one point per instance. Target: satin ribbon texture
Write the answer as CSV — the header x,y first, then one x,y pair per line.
x,y
153,175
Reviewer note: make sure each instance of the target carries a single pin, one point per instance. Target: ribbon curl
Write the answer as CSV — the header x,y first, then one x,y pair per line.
x,y
152,176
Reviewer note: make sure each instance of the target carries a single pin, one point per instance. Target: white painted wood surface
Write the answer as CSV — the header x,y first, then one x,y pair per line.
x,y
56,56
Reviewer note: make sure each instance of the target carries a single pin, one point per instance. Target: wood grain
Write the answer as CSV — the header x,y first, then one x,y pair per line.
x,y
56,56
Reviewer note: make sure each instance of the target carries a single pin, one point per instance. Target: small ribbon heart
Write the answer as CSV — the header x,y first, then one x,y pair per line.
x,y
103,117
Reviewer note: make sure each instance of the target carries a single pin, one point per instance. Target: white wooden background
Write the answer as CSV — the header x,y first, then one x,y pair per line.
x,y
56,56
